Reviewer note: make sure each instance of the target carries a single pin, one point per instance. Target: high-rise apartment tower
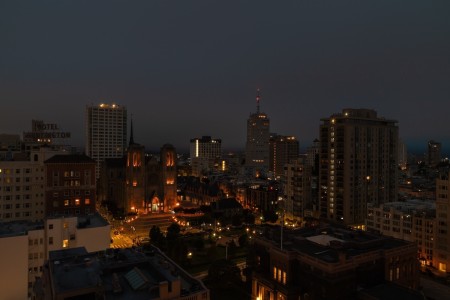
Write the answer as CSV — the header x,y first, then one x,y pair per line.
x,y
358,164
106,132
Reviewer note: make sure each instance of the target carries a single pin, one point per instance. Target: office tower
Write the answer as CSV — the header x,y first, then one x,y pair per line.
x,y
442,251
70,185
433,153
283,149
358,164
257,147
297,189
205,153
106,132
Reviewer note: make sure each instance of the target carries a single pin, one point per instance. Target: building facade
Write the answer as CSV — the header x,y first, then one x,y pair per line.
x,y
297,190
358,164
283,149
412,220
24,247
442,253
106,132
257,148
22,186
70,185
139,182
205,153
433,153
323,263
123,274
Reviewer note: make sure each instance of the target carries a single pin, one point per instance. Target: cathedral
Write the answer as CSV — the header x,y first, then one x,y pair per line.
x,y
138,182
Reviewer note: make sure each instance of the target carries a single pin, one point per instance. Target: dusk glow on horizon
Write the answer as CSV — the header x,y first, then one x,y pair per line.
x,y
192,68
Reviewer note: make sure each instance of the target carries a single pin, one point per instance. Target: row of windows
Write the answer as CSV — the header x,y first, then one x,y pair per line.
x,y
18,188
67,212
17,197
72,202
9,180
279,275
35,255
10,206
16,171
16,215
72,193
32,242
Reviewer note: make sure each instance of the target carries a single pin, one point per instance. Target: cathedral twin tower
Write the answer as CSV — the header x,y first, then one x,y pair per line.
x,y
128,179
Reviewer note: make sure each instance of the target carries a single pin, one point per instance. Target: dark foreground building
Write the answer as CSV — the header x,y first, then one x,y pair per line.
x,y
331,263
116,274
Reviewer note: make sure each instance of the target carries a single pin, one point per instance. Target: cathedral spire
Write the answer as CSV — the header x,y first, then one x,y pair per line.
x,y
131,133
258,97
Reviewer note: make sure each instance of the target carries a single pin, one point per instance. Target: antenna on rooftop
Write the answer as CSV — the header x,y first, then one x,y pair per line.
x,y
258,97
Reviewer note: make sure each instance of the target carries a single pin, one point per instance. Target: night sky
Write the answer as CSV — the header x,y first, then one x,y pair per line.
x,y
190,68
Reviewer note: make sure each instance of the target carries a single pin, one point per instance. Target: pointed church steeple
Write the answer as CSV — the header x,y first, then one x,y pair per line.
x,y
132,132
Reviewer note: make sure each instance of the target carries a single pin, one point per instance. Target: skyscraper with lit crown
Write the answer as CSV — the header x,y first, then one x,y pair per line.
x,y
106,132
257,149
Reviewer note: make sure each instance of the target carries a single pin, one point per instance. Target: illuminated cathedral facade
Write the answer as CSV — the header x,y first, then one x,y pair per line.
x,y
140,183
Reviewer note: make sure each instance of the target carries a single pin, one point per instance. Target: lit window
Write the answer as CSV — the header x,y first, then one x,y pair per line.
x,y
66,202
77,201
65,243
87,201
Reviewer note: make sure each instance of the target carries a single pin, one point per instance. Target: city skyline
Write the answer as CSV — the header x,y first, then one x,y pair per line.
x,y
192,69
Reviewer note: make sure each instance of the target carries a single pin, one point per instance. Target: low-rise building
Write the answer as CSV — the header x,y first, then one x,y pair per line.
x,y
118,274
326,262
25,245
412,220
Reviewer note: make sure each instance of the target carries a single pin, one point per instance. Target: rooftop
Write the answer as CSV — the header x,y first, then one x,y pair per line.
x,y
122,273
17,228
328,242
72,158
85,221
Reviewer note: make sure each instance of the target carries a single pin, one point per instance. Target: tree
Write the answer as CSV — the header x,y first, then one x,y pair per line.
x,y
199,243
224,271
172,240
173,232
236,220
270,216
156,237
243,240
231,248
249,218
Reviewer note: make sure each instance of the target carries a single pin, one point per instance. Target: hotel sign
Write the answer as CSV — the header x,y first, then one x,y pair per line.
x,y
43,132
